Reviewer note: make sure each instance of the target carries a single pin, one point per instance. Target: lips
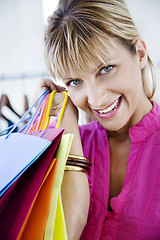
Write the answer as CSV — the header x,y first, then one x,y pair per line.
x,y
110,109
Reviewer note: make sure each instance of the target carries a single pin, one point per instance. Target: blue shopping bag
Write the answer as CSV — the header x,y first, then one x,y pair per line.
x,y
18,150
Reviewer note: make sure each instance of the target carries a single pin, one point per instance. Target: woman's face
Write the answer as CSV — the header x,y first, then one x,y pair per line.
x,y
112,93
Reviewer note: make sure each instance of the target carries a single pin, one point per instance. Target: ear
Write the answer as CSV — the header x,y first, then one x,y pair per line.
x,y
141,53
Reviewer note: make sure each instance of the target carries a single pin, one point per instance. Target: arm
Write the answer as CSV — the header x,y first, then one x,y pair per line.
x,y
75,188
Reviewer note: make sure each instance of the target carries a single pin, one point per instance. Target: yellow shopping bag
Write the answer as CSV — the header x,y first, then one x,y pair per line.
x,y
59,225
55,227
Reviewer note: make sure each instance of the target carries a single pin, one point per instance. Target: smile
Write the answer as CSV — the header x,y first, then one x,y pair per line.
x,y
111,110
111,107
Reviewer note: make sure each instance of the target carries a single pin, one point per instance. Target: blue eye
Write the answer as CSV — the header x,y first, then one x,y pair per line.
x,y
74,82
106,69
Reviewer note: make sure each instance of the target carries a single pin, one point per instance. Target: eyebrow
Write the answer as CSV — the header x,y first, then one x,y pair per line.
x,y
96,69
67,79
99,66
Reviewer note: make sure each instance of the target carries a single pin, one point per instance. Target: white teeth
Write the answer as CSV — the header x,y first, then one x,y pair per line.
x,y
109,109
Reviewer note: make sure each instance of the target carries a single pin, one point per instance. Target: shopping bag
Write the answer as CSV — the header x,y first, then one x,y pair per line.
x,y
13,148
34,225
51,135
56,221
17,206
55,227
25,225
13,216
56,217
59,224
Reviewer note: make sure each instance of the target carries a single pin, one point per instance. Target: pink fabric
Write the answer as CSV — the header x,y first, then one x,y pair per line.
x,y
136,210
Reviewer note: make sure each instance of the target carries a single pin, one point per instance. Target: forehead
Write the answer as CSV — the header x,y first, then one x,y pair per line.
x,y
102,53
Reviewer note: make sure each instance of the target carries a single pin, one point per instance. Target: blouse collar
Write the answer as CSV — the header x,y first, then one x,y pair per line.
x,y
145,127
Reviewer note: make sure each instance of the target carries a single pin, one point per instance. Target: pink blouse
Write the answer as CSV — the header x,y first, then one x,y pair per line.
x,y
136,210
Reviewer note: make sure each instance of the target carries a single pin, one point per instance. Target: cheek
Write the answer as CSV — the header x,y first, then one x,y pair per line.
x,y
131,80
77,100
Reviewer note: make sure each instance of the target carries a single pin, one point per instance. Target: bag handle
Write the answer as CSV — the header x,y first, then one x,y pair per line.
x,y
45,102
44,117
35,125
23,118
62,109
47,117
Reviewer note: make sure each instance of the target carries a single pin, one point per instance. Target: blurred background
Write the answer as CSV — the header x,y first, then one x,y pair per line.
x,y
22,62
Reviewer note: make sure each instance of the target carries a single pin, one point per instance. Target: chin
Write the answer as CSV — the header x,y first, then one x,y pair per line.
x,y
113,127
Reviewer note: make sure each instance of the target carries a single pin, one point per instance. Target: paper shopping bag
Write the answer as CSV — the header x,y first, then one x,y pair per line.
x,y
19,203
18,151
55,227
49,134
30,231
59,224
15,148
16,208
35,222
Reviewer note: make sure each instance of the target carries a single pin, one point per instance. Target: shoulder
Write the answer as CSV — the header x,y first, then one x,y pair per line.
x,y
91,131
90,128
92,135
155,124
154,139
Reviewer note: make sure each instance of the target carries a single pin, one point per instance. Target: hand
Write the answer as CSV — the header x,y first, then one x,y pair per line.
x,y
46,84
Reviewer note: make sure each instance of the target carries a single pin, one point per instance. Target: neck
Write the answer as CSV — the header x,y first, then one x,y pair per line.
x,y
123,133
120,135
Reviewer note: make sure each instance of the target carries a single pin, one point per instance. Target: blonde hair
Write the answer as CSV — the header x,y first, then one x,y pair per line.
x,y
72,27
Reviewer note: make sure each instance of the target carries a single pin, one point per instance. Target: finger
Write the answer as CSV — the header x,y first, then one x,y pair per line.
x,y
42,86
47,83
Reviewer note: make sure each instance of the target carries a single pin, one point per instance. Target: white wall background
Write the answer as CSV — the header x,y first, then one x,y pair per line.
x,y
21,37
21,42
146,15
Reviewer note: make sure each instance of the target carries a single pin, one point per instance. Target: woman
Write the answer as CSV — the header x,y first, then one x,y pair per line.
x,y
94,48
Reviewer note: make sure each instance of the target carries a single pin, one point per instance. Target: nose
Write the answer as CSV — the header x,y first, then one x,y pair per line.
x,y
96,96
